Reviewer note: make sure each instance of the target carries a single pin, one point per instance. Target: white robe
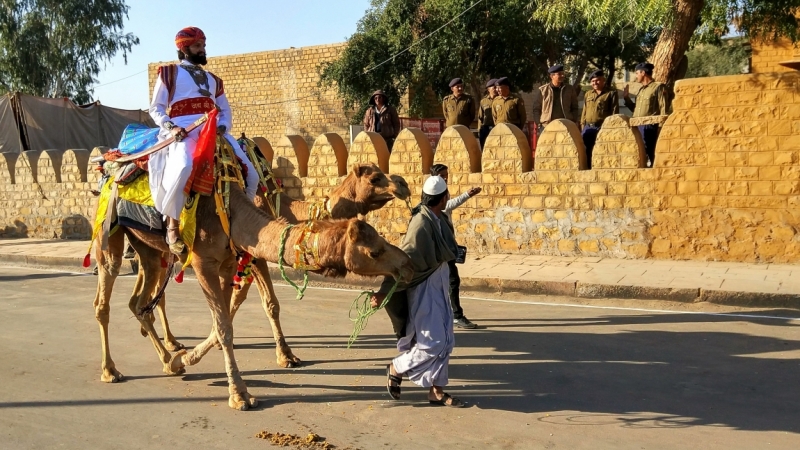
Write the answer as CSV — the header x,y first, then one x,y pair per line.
x,y
429,338
170,168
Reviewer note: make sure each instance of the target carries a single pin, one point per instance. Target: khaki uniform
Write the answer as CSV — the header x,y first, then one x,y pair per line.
x,y
485,118
596,107
509,110
458,110
652,100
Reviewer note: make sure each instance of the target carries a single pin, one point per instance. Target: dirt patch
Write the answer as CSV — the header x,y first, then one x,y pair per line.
x,y
310,442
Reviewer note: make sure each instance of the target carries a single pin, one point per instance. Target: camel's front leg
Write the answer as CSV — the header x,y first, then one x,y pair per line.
x,y
108,264
215,281
273,310
151,275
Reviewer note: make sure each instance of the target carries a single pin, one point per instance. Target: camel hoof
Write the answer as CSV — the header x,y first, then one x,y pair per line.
x,y
287,360
111,376
176,366
172,345
242,402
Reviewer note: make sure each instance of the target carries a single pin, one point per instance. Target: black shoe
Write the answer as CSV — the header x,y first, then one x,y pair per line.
x,y
463,322
95,270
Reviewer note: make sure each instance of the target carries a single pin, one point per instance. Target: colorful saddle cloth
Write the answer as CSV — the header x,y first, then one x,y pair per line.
x,y
136,138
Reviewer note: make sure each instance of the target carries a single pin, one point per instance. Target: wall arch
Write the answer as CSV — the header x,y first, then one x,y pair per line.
x,y
369,147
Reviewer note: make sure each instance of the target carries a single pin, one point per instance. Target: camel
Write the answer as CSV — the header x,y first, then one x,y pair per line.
x,y
366,188
345,246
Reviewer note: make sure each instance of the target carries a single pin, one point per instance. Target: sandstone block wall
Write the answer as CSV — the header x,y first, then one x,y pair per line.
x,y
766,55
275,93
725,186
47,194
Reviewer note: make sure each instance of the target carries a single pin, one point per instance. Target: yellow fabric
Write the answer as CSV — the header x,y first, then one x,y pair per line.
x,y
138,191
102,208
188,225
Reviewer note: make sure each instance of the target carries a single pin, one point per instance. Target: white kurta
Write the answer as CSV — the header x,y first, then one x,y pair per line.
x,y
429,338
170,168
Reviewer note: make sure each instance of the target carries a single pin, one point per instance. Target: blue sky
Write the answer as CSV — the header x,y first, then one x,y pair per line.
x,y
232,26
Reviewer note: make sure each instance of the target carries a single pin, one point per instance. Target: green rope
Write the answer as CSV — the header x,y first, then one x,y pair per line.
x,y
300,291
364,311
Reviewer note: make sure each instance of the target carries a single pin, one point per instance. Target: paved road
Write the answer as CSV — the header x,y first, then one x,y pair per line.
x,y
539,375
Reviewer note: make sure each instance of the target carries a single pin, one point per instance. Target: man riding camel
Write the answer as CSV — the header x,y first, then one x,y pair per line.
x,y
182,94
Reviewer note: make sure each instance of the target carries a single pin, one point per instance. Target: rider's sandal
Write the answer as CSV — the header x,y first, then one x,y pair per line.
x,y
454,402
177,247
394,383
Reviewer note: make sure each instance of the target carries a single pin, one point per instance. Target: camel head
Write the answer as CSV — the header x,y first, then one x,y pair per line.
x,y
368,186
355,246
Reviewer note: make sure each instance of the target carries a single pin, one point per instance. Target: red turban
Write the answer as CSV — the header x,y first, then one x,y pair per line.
x,y
188,36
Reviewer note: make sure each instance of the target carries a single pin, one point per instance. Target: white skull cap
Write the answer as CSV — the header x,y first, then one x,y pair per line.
x,y
434,185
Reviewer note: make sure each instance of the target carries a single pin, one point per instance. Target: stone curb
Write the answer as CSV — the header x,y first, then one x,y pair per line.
x,y
489,285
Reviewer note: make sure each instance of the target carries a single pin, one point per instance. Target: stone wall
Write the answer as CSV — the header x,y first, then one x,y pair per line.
x,y
766,55
275,93
726,184
47,194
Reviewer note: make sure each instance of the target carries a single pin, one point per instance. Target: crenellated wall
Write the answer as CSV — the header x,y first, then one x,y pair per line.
x,y
725,186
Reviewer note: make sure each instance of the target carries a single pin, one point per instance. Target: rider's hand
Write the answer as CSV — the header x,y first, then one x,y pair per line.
x,y
474,191
178,133
626,92
221,130
376,299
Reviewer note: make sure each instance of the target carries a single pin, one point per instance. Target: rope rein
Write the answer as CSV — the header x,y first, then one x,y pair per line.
x,y
300,290
364,310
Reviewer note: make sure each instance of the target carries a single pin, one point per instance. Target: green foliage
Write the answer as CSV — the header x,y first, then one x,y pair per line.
x,y
764,19
54,48
490,40
730,58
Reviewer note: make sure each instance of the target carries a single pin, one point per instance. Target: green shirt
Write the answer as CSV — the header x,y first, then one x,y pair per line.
x,y
509,110
485,118
650,101
458,110
596,107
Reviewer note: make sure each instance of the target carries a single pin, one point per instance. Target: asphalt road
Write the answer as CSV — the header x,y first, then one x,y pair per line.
x,y
549,373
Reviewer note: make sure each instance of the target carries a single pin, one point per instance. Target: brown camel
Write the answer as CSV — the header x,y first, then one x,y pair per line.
x,y
366,188
345,246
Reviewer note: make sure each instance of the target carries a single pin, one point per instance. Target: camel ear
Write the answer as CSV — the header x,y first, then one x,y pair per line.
x,y
355,229
359,169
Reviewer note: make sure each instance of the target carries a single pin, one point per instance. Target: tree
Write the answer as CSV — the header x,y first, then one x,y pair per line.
x,y
54,48
490,39
680,22
728,58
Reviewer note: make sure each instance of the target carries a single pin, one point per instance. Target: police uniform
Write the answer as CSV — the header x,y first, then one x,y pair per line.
x,y
509,109
485,118
652,100
597,106
458,110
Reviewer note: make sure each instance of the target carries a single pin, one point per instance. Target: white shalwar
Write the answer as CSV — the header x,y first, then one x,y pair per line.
x,y
429,338
170,168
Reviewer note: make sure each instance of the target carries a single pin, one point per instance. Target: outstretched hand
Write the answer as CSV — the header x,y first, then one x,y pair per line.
x,y
626,91
376,299
474,191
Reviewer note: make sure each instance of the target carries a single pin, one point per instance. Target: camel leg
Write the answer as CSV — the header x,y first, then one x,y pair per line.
x,y
108,264
150,272
170,342
272,308
216,284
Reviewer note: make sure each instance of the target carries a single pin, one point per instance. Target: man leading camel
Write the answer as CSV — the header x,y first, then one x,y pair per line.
x,y
182,93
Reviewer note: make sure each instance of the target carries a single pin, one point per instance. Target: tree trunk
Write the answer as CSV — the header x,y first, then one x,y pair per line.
x,y
674,39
